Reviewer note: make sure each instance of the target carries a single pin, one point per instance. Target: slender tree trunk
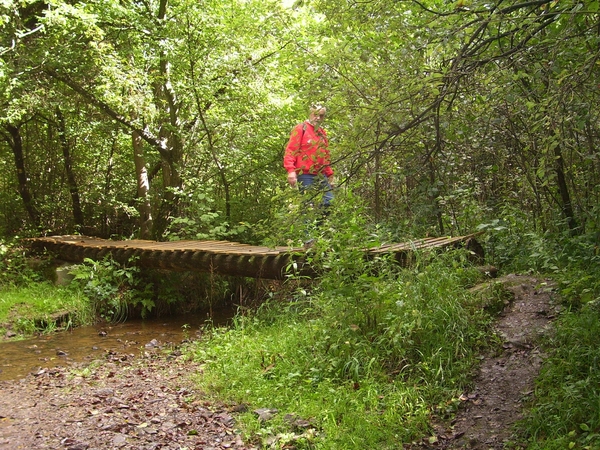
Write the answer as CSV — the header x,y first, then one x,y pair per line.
x,y
16,143
563,190
377,186
106,217
220,167
227,191
143,186
377,183
437,151
434,198
73,187
168,203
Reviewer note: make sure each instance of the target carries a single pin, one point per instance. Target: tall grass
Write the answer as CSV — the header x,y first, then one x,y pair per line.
x,y
365,356
29,302
566,410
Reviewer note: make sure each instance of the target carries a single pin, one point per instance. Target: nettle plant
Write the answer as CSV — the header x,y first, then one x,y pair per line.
x,y
114,288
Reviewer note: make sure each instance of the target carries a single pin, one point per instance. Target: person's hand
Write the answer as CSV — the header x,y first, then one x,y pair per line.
x,y
292,178
331,180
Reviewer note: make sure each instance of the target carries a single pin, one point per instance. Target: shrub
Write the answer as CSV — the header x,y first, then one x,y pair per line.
x,y
112,288
364,354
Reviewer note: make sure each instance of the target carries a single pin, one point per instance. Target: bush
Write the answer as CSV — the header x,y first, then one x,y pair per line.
x,y
16,268
112,288
566,412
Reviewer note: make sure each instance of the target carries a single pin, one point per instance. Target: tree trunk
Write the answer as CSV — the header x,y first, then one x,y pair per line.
x,y
437,151
563,190
377,184
143,186
166,100
16,143
73,188
106,216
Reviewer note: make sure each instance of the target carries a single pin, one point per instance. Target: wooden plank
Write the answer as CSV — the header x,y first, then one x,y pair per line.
x,y
224,257
410,245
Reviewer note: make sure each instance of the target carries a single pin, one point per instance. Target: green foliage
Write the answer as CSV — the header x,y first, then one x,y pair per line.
x,y
292,218
113,288
202,221
363,354
566,410
16,268
572,260
120,291
41,306
441,119
429,146
577,268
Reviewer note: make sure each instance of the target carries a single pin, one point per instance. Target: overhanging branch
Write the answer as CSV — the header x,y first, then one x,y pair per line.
x,y
155,142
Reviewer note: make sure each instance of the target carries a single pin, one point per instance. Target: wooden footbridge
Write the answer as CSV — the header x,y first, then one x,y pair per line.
x,y
222,257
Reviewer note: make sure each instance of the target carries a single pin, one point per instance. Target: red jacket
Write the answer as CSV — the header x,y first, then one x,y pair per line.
x,y
309,156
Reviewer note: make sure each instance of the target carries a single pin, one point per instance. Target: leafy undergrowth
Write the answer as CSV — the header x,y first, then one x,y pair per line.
x,y
358,360
29,303
566,412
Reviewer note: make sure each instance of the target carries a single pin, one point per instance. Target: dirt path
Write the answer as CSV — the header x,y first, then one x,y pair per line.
x,y
149,403
505,381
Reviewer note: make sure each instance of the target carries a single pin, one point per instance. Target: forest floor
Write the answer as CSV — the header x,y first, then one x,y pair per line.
x,y
149,401
143,402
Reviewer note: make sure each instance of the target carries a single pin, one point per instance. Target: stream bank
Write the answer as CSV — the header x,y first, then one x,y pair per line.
x,y
148,401
122,402
18,358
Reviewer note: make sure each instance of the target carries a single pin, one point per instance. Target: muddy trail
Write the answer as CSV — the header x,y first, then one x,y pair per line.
x,y
505,380
147,401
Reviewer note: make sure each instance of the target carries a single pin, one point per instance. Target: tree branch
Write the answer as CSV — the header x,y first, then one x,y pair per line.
x,y
157,143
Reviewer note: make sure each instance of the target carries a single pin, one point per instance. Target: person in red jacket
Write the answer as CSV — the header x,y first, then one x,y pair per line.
x,y
307,162
307,159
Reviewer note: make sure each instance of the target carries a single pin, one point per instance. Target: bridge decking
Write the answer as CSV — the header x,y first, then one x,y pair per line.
x,y
221,257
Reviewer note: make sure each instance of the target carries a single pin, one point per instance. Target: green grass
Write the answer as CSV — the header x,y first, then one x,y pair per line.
x,y
365,359
566,410
271,368
31,308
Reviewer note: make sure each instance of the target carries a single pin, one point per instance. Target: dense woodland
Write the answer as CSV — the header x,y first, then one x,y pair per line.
x,y
167,119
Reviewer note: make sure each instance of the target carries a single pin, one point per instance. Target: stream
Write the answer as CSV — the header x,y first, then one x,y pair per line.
x,y
85,344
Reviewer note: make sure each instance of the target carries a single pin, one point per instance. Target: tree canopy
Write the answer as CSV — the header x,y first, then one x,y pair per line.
x,y
168,119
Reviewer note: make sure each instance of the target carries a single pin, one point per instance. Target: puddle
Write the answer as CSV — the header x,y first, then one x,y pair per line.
x,y
67,348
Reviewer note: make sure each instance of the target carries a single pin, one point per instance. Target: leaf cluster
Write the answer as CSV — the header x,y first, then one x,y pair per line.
x,y
113,288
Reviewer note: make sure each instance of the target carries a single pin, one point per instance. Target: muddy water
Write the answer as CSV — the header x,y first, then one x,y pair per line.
x,y
70,348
